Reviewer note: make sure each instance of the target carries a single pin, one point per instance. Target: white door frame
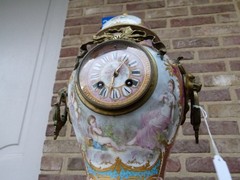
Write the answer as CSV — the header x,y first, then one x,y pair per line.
x,y
22,138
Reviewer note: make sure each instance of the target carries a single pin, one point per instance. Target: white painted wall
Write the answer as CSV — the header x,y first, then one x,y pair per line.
x,y
30,38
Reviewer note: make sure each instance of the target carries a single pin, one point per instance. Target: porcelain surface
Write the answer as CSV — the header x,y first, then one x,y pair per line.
x,y
133,145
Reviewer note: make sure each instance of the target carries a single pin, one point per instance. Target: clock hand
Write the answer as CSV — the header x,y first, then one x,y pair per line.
x,y
112,81
116,72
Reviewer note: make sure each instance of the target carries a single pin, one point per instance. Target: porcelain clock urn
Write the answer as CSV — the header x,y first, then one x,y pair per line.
x,y
126,100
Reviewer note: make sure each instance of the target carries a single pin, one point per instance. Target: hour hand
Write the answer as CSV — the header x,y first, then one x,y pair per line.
x,y
111,82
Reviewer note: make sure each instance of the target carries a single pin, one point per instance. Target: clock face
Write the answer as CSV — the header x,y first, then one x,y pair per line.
x,y
115,77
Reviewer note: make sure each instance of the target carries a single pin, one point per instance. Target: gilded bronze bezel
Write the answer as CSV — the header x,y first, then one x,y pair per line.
x,y
96,107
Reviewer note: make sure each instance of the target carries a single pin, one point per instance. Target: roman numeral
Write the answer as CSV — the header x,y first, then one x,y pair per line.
x,y
105,60
97,67
95,86
103,92
115,94
115,56
135,82
95,76
132,63
136,72
125,57
126,91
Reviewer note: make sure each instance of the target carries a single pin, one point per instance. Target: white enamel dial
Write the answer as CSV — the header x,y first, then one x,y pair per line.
x,y
115,75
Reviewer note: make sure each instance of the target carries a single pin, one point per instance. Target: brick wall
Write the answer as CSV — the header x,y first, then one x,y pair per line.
x,y
207,34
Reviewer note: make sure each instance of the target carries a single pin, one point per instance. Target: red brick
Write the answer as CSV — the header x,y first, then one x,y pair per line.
x,y
200,164
221,80
72,31
145,5
50,117
75,164
173,33
228,145
61,177
238,93
235,65
187,55
156,24
216,128
173,12
227,18
219,53
67,52
214,95
192,21
54,99
61,146
84,3
231,40
71,41
140,14
233,164
215,30
51,128
67,63
51,163
76,41
204,67
104,9
83,21
59,85
63,74
91,29
74,13
224,110
195,42
212,9
173,165
186,2
189,146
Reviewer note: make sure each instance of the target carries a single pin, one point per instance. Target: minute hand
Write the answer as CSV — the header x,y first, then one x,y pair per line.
x,y
116,72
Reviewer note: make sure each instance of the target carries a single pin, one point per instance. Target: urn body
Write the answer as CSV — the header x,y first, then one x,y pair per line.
x,y
134,144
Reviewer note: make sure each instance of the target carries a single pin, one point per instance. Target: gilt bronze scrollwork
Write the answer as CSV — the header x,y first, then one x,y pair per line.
x,y
191,94
60,118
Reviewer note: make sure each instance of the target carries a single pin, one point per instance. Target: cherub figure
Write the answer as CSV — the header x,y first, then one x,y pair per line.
x,y
95,134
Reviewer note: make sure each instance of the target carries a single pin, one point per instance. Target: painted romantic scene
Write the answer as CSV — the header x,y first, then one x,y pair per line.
x,y
136,139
